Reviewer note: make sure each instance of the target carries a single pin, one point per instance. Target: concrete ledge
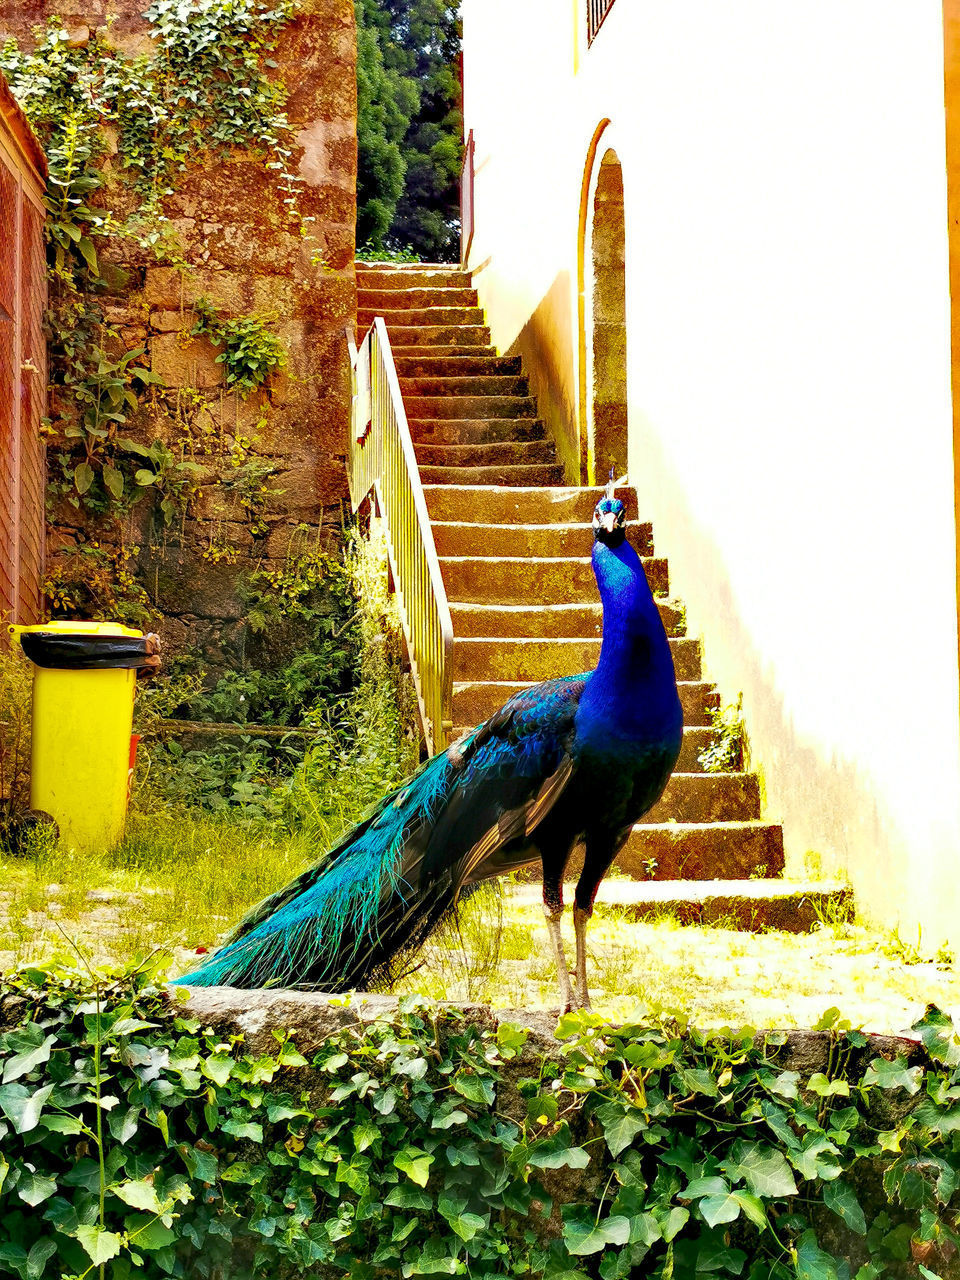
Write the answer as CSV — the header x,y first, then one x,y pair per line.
x,y
313,1017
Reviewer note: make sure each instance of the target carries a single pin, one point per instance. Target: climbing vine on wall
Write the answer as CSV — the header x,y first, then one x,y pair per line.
x,y
117,128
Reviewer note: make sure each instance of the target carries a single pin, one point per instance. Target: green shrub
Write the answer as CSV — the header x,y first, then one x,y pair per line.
x,y
135,1140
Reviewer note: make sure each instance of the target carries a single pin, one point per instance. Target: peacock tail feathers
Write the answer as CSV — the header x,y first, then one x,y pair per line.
x,y
336,925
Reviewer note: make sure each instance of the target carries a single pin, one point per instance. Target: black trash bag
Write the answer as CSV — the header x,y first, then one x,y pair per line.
x,y
61,651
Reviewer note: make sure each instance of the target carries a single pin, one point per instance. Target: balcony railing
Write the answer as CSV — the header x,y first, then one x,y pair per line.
x,y
597,10
381,459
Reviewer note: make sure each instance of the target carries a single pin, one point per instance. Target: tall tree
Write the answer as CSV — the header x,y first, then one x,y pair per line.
x,y
418,52
386,102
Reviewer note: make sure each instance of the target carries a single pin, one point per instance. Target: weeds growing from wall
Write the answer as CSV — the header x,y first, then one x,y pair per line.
x,y
108,118
725,751
335,678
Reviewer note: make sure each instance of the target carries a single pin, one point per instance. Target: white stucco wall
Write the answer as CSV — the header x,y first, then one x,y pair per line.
x,y
788,372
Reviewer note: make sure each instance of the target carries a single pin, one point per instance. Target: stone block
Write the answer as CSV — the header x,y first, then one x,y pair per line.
x,y
329,154
190,363
171,321
180,582
169,288
330,203
233,416
236,246
329,98
274,296
335,244
287,540
332,299
217,502
300,491
164,287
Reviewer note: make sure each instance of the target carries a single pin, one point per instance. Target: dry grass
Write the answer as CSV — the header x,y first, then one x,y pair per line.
x,y
179,885
710,975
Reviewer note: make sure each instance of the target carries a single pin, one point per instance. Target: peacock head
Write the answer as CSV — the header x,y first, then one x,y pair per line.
x,y
610,521
610,516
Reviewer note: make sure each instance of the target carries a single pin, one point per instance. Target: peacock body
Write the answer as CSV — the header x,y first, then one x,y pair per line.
x,y
568,762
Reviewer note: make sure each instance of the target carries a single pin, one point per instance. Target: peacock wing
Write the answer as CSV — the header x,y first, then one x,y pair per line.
x,y
512,771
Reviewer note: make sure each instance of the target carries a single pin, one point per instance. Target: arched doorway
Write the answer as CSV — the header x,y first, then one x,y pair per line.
x,y
606,329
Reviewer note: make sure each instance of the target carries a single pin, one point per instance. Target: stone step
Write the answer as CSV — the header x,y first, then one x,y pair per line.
x,y
708,797
746,905
438,335
695,739
427,317
671,851
470,408
493,504
465,366
505,453
702,850
514,579
413,299
379,275
551,540
474,701
463,385
539,659
455,351
560,620
521,477
475,431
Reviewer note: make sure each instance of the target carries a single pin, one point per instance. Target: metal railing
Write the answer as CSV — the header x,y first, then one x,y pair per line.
x,y
597,10
381,458
466,200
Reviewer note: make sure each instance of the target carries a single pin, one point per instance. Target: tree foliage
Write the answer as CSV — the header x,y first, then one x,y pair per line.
x,y
409,125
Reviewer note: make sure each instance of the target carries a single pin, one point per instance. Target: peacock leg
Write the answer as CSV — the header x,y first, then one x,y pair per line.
x,y
553,911
581,916
600,849
553,927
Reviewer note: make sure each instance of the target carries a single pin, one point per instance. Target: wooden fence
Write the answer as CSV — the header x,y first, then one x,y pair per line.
x,y
23,370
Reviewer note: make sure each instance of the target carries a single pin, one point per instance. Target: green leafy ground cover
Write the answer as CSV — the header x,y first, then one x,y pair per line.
x,y
137,1141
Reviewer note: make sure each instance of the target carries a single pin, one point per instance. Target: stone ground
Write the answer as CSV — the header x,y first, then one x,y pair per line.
x,y
711,976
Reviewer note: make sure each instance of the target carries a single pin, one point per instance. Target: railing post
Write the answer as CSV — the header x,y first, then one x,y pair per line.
x,y
383,459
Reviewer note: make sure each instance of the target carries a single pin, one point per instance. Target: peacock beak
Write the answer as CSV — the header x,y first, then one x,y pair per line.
x,y
608,521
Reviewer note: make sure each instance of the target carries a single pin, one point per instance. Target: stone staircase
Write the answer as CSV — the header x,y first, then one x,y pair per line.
x,y
514,545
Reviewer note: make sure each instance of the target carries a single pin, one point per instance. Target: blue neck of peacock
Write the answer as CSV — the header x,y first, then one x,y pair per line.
x,y
633,691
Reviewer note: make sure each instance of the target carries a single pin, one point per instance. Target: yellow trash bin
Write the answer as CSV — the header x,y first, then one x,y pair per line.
x,y
82,722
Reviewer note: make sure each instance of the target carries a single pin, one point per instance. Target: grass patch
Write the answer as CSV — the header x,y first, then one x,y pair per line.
x,y
171,885
177,885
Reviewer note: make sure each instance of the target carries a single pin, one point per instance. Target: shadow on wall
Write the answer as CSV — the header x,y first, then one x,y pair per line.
x,y
546,344
827,804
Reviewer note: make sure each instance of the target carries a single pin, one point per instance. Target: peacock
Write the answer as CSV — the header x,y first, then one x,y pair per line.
x,y
575,760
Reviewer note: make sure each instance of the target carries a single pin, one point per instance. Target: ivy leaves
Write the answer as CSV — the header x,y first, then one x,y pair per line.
x,y
135,1139
251,353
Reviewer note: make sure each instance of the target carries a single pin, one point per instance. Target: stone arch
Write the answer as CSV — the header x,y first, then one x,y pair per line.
x,y
606,337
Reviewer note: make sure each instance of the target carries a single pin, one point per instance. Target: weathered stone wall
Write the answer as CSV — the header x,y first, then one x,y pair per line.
x,y
242,252
313,1018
